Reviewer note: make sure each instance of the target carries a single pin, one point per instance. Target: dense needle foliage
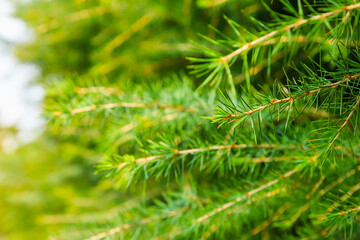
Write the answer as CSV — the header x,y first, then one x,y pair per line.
x,y
257,139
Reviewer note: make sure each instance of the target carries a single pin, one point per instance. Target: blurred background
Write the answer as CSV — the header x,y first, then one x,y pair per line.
x,y
19,97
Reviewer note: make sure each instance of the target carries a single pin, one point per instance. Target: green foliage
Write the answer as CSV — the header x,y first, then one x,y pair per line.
x,y
290,32
279,158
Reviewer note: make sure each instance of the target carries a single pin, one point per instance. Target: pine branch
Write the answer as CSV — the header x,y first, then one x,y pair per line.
x,y
316,236
268,195
269,221
297,39
355,107
73,17
353,210
214,148
344,197
246,195
124,36
106,90
123,227
342,219
321,193
223,117
308,203
169,235
126,105
216,66
315,188
226,182
299,23
207,234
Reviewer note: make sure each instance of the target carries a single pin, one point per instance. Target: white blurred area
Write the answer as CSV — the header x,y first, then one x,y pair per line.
x,y
19,98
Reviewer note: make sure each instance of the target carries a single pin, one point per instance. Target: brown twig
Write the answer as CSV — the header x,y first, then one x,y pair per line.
x,y
270,194
342,199
106,90
212,148
345,123
247,195
127,105
289,99
357,209
273,218
321,193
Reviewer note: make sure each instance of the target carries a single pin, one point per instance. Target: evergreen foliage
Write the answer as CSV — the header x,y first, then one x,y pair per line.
x,y
273,154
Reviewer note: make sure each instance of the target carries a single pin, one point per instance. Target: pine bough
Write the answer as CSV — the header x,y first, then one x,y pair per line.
x,y
278,161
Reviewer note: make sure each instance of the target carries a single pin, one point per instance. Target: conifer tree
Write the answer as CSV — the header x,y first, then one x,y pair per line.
x,y
260,141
